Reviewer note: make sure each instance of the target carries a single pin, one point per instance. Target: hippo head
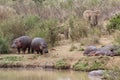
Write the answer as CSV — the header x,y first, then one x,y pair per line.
x,y
44,48
16,43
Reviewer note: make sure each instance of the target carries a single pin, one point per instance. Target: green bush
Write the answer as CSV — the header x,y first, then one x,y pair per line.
x,y
114,24
32,26
3,46
15,27
46,29
30,21
91,63
62,64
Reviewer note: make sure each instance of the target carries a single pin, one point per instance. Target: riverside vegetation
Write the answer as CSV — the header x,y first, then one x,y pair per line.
x,y
62,25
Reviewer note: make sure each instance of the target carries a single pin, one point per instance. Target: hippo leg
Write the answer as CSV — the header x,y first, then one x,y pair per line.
x,y
37,51
32,50
41,52
28,49
24,49
18,50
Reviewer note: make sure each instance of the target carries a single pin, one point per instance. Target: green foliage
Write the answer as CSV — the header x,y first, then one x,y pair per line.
x,y
114,24
30,25
30,21
46,29
40,18
11,61
91,63
3,46
62,64
13,28
12,58
81,66
78,29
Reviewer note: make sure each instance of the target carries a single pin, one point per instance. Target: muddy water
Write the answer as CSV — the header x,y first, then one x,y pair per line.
x,y
8,74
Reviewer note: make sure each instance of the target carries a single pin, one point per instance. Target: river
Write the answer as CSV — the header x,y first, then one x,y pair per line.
x,y
37,74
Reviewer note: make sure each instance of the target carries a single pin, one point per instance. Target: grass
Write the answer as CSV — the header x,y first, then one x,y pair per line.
x,y
70,62
12,58
62,64
112,75
91,63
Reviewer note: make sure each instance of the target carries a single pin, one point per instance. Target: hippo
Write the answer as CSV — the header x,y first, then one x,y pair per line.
x,y
23,42
109,47
106,50
39,45
103,52
96,75
90,50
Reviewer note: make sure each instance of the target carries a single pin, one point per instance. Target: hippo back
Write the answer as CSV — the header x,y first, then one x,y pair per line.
x,y
25,40
38,41
104,51
89,49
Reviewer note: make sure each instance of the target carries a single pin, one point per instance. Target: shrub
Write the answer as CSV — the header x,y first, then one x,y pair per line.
x,y
15,27
78,29
30,21
46,29
114,24
91,63
81,66
62,64
3,46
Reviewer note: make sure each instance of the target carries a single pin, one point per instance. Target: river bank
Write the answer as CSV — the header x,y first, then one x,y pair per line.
x,y
48,62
